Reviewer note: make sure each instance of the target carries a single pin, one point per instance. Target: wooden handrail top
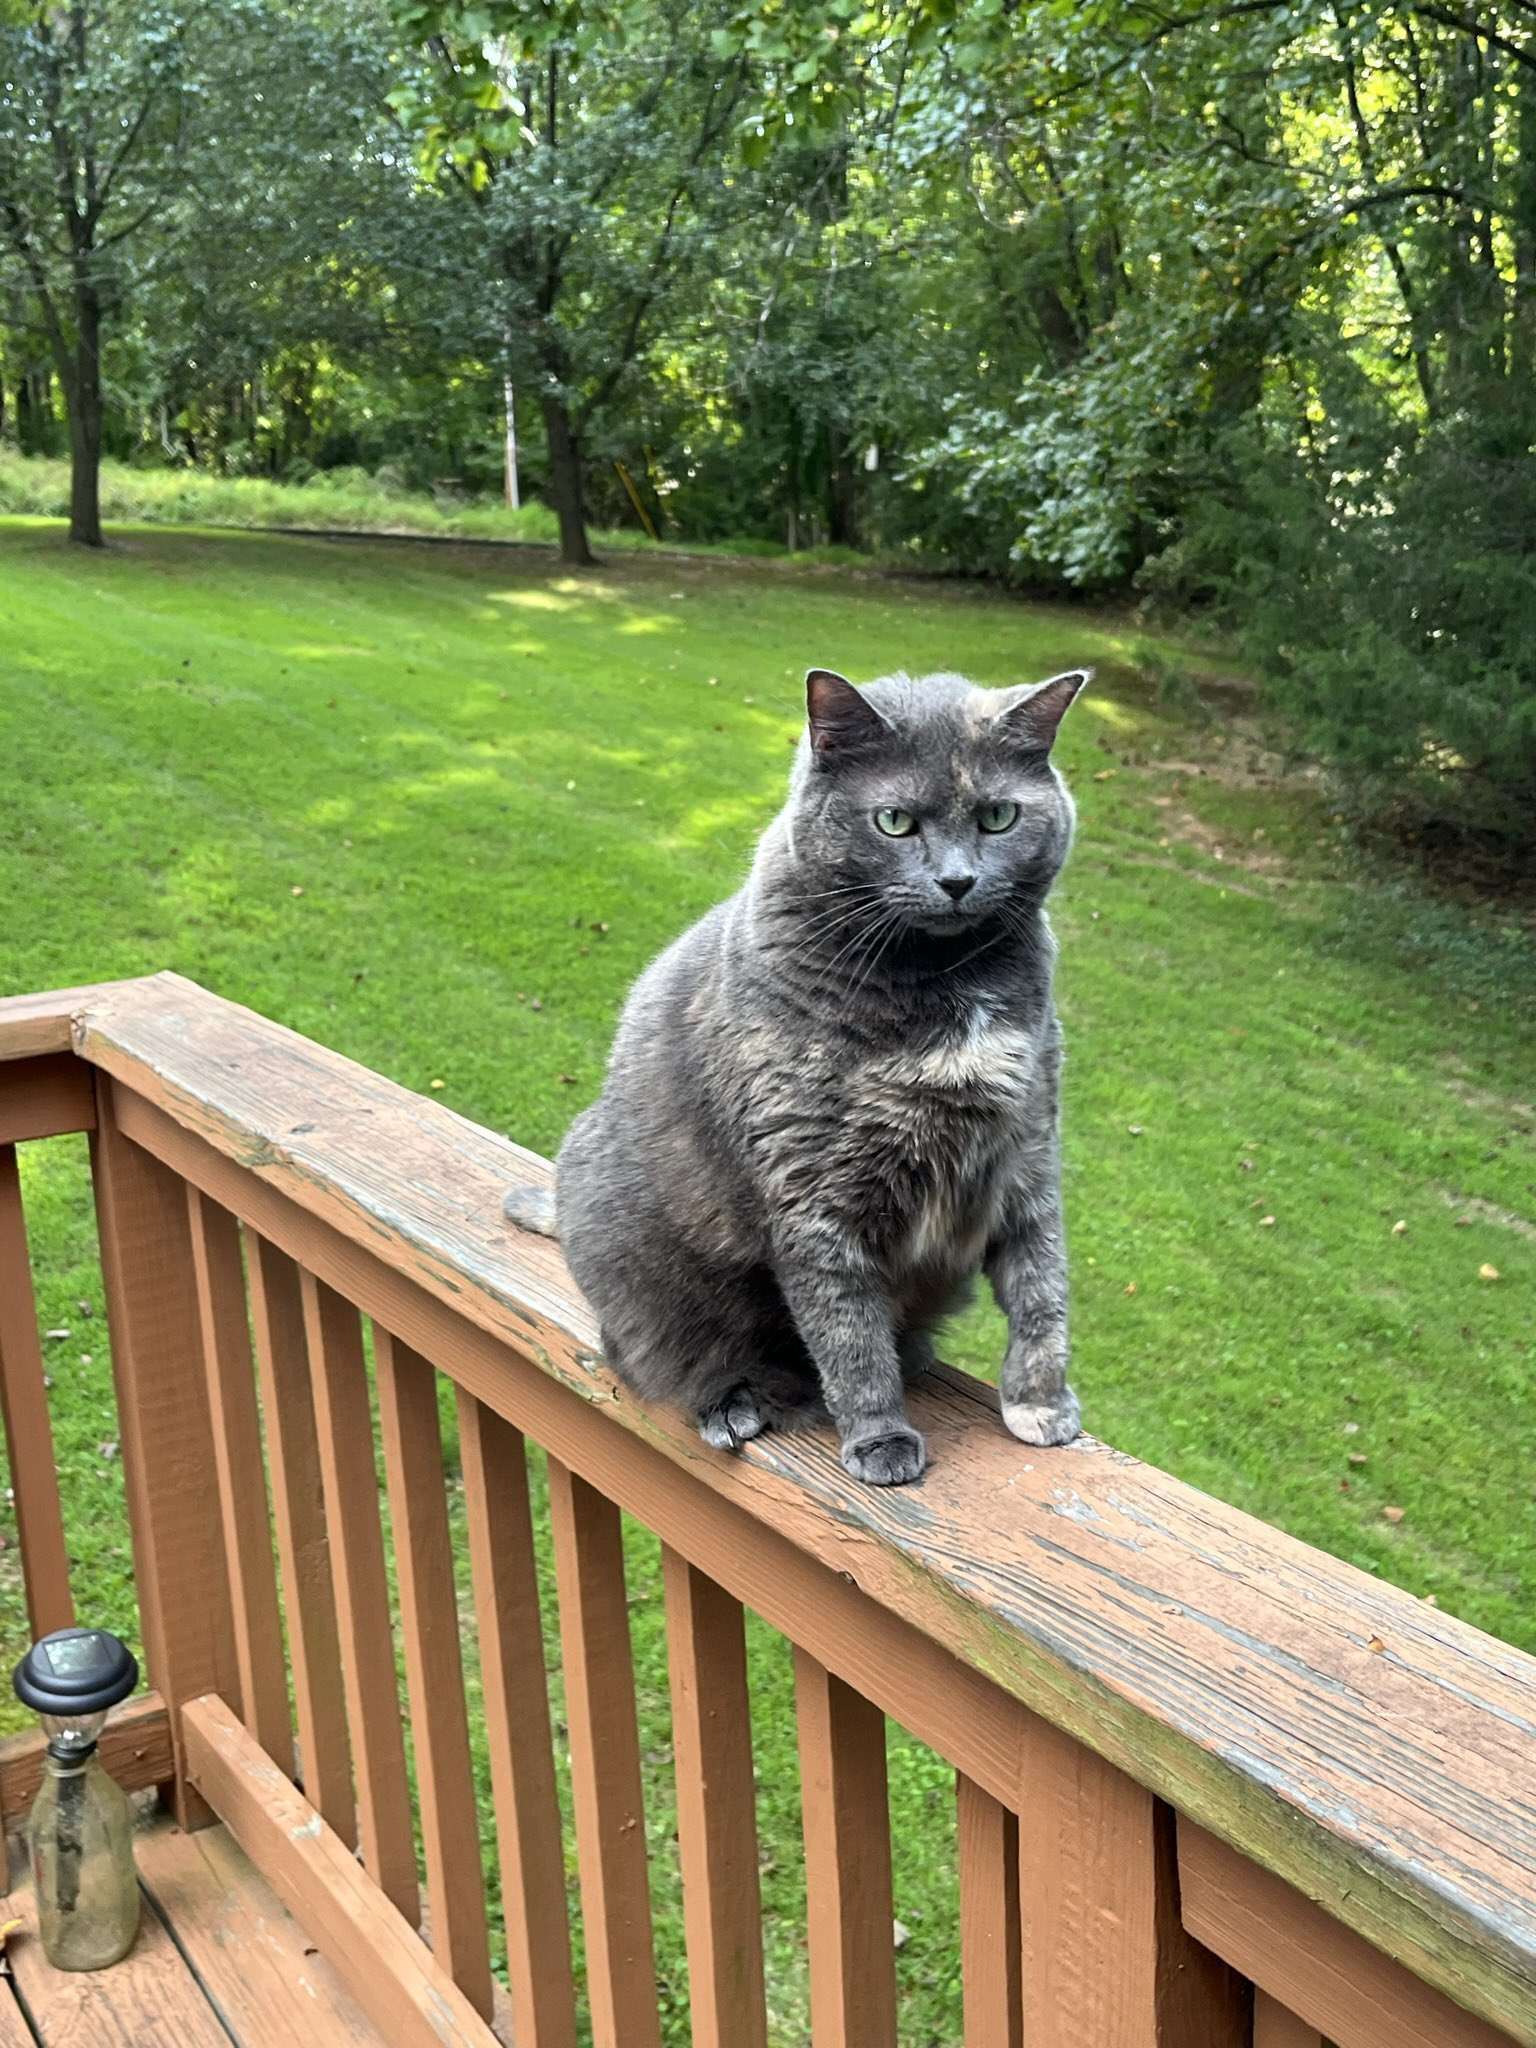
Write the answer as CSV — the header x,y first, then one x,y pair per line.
x,y
1372,1751
30,1025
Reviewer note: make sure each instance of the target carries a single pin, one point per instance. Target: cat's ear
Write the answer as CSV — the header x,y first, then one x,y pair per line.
x,y
1033,711
842,720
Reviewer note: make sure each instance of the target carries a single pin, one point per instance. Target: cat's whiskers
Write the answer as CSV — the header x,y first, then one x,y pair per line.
x,y
896,923
875,918
869,941
818,931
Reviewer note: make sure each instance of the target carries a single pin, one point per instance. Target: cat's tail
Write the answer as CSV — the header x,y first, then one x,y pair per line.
x,y
531,1208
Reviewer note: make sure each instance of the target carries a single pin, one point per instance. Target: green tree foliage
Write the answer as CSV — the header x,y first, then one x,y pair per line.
x,y
1231,303
587,145
183,176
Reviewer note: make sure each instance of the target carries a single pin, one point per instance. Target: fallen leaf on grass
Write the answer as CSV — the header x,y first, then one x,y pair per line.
x,y
1130,1286
1266,1223
1392,1514
566,1080
1357,1457
1105,774
1399,1229
1487,1272
438,1084
297,889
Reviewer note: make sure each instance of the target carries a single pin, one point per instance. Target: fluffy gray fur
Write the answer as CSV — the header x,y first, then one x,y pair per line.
x,y
833,1102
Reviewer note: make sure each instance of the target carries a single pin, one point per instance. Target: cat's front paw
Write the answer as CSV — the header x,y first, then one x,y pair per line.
x,y
1045,1422
894,1458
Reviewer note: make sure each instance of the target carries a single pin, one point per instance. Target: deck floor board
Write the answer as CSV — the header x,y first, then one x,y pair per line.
x,y
218,1963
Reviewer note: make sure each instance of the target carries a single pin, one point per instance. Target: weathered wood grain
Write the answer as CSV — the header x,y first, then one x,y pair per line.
x,y
377,1954
34,1025
148,2000
350,1482
1221,1664
716,1808
271,1985
1319,1971
242,1475
45,1097
515,1703
434,1668
164,1428
24,1416
991,1941
14,2031
135,1749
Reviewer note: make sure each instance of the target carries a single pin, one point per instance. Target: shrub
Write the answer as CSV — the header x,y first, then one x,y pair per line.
x,y
1390,615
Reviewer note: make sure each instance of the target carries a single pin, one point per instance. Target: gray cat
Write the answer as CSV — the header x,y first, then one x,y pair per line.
x,y
834,1101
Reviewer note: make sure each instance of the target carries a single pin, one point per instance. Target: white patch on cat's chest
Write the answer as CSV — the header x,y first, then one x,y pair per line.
x,y
987,1064
989,1058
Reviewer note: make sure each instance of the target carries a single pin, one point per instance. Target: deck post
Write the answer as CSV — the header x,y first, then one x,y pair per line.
x,y
165,1432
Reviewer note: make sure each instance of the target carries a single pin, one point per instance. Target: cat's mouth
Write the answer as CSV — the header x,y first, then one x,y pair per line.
x,y
953,919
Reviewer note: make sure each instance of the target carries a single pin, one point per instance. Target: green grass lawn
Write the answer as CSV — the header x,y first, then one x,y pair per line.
x,y
437,806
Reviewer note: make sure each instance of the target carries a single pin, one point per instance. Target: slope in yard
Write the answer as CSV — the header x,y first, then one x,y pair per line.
x,y
438,806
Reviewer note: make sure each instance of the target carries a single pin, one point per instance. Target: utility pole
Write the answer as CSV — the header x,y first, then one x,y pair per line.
x,y
508,400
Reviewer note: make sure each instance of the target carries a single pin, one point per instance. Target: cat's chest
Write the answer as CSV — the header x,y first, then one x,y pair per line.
x,y
939,1126
980,1073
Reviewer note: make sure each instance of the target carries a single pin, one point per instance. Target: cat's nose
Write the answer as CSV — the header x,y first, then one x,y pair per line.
x,y
956,886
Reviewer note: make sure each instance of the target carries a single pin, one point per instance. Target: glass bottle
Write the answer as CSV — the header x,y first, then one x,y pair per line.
x,y
83,1876
80,1835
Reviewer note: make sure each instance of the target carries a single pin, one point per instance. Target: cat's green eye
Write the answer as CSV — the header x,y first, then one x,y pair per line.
x,y
997,817
895,824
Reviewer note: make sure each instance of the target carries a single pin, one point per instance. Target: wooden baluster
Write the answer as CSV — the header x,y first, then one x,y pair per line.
x,y
325,1760
169,1466
990,1956
1275,2026
24,1412
429,1614
605,1763
845,1816
1107,1963
350,1482
516,1707
716,1808
242,1478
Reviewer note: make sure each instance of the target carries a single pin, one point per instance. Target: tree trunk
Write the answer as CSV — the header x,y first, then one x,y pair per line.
x,y
84,393
565,480
842,490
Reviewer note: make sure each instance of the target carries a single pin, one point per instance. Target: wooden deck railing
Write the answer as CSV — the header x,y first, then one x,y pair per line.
x,y
1214,1787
